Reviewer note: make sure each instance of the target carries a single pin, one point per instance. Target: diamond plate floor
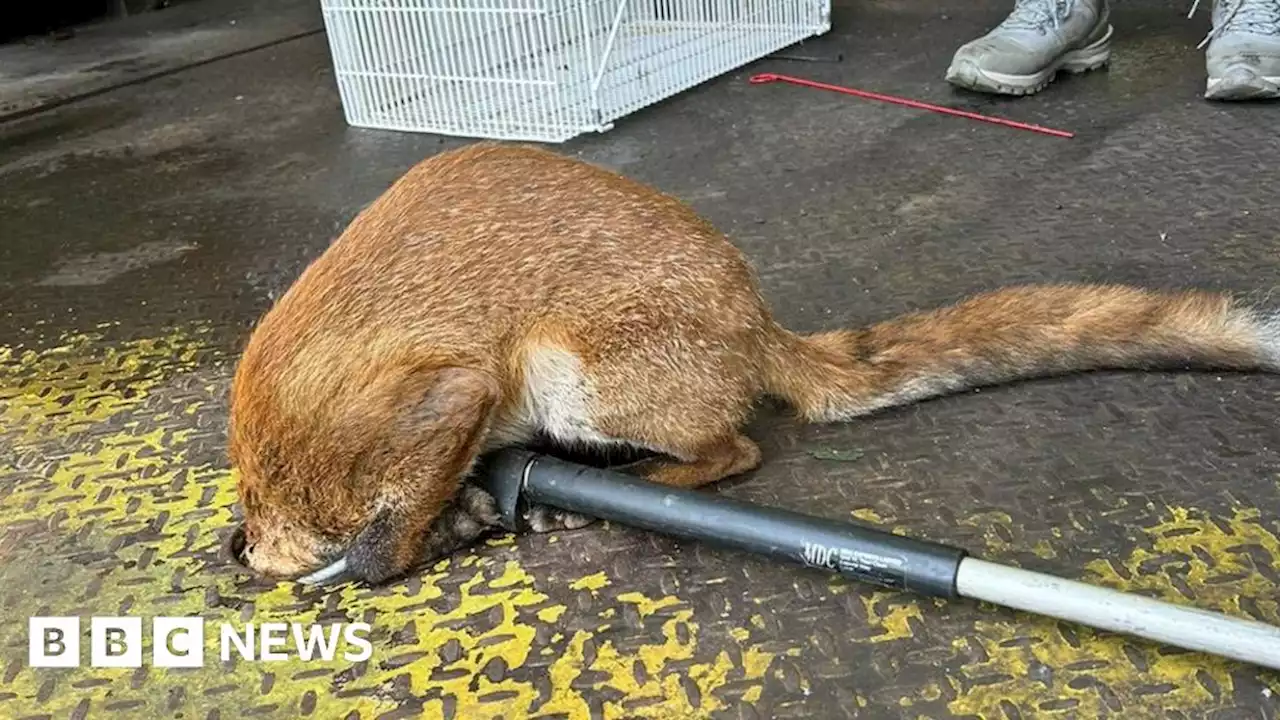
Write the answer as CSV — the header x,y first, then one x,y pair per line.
x,y
143,230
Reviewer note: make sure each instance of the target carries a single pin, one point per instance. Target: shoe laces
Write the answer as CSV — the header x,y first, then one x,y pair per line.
x,y
1039,14
1255,15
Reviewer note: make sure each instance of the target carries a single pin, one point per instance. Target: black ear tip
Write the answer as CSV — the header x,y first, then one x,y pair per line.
x,y
234,545
371,556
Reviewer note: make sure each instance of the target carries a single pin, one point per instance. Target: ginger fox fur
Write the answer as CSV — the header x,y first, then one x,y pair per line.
x,y
501,291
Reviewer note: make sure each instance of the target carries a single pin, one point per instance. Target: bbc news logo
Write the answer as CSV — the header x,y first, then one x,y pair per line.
x,y
179,642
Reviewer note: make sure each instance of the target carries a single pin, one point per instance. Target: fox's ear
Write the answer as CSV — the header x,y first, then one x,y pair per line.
x,y
431,442
382,551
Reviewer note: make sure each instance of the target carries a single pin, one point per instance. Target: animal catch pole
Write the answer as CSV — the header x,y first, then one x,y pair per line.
x,y
517,478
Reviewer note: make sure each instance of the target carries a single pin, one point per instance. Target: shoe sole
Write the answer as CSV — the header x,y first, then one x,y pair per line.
x,y
967,74
1241,82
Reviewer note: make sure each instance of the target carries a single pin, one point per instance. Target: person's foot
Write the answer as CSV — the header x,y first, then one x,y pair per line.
x,y
1038,39
1243,58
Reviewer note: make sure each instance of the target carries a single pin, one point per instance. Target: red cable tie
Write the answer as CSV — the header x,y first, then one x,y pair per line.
x,y
771,77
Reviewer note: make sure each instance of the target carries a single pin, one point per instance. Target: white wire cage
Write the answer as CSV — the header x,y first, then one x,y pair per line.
x,y
542,70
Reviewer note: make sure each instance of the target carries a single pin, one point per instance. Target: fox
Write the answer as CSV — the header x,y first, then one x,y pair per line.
x,y
502,292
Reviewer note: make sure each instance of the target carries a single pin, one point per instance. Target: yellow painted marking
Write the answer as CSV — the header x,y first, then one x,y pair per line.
x,y
891,612
1043,549
875,518
644,605
1191,682
1206,557
755,662
1185,542
593,582
551,614
868,515
996,542
988,522
81,381
103,484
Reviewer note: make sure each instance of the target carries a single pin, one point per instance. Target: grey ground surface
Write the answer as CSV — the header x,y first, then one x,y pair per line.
x,y
190,200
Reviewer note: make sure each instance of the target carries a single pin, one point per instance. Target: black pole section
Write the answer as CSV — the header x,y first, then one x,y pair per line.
x,y
518,478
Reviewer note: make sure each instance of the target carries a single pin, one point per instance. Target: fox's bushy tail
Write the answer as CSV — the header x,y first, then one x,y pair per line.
x,y
1014,334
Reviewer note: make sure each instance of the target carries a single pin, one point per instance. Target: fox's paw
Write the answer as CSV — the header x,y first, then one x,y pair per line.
x,y
471,516
544,518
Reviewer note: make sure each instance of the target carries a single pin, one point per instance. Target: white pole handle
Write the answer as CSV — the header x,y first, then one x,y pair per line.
x,y
1185,627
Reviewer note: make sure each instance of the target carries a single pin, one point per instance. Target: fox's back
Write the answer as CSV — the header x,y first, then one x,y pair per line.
x,y
488,236
474,254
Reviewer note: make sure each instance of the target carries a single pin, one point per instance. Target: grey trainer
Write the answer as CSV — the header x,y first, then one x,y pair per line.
x,y
1243,58
1025,52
